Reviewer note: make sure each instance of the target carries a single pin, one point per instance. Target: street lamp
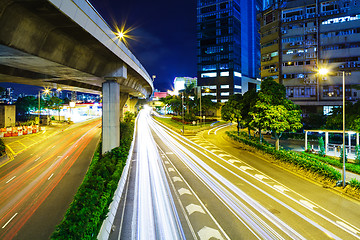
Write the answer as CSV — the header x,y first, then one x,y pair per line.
x,y
324,71
153,77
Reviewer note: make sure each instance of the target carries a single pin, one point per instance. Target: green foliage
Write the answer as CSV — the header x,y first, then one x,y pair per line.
x,y
274,112
2,148
86,213
354,184
300,160
357,154
26,104
129,116
342,156
322,147
309,148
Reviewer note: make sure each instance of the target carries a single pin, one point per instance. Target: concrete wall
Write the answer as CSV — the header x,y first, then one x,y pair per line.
x,y
7,115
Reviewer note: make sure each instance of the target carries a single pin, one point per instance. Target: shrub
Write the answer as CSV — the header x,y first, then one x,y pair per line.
x,y
355,184
89,208
357,154
2,148
129,116
297,159
321,146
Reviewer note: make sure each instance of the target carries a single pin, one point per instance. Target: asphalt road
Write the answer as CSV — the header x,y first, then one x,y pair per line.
x,y
38,185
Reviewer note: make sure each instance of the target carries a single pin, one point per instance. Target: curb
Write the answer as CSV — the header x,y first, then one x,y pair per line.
x,y
107,224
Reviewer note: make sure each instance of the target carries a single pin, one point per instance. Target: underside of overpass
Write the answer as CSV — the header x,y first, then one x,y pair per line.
x,y
66,44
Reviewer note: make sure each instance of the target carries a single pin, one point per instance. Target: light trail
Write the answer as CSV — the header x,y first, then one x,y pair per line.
x,y
156,216
352,230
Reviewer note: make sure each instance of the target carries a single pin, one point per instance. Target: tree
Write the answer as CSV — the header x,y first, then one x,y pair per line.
x,y
231,111
273,112
55,103
357,154
248,102
25,104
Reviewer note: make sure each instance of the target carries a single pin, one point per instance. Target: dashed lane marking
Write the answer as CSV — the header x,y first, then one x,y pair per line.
x,y
347,227
176,179
169,153
261,177
9,220
183,191
171,170
307,204
224,155
234,161
10,179
207,233
245,168
281,188
191,208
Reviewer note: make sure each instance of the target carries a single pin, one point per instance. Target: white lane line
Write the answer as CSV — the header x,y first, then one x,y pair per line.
x,y
281,188
37,159
215,150
50,176
66,157
261,177
307,204
224,155
207,233
171,169
10,179
176,179
167,153
191,208
9,220
52,147
347,227
167,162
221,128
183,191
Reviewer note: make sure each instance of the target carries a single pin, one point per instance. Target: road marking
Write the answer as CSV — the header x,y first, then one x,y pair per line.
x,y
166,162
215,150
191,208
281,188
176,179
50,176
66,157
347,227
171,169
11,179
307,204
224,155
207,233
245,168
9,220
37,159
234,161
54,146
167,153
261,177
183,191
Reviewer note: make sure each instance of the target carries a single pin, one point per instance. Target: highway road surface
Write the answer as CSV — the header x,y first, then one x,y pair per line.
x,y
216,190
38,185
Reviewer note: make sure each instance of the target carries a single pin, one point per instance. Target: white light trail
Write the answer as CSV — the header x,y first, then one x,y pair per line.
x,y
156,215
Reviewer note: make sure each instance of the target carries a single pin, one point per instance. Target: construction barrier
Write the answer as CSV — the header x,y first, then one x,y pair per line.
x,y
18,131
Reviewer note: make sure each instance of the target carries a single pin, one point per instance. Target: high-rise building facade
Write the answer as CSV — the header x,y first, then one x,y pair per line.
x,y
298,37
228,46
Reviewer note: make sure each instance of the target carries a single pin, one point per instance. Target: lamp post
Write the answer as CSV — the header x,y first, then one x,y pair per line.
x,y
153,77
39,107
324,71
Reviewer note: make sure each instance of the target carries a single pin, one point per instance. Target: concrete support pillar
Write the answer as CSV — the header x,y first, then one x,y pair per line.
x,y
111,116
306,140
132,104
123,99
326,142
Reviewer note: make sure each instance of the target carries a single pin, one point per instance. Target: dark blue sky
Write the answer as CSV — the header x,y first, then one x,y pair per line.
x,y
166,33
166,36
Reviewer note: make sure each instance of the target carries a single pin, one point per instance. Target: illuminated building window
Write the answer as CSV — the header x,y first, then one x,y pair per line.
x,y
210,74
224,74
224,86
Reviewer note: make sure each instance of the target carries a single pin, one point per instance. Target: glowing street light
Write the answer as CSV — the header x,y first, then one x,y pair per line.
x,y
323,71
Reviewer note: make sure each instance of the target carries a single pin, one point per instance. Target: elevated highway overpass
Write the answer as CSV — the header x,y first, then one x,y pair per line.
x,y
67,44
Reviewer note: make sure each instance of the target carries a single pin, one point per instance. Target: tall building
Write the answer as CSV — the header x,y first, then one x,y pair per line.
x,y
228,47
298,37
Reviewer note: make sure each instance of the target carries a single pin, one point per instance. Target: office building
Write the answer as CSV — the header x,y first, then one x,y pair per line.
x,y
228,47
300,37
181,82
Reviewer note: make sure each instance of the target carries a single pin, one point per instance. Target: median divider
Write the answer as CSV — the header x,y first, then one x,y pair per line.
x,y
107,224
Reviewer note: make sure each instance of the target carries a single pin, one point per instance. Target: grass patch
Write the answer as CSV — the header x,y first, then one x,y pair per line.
x,y
189,128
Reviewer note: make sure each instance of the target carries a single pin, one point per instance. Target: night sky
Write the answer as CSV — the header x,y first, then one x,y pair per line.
x,y
165,32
